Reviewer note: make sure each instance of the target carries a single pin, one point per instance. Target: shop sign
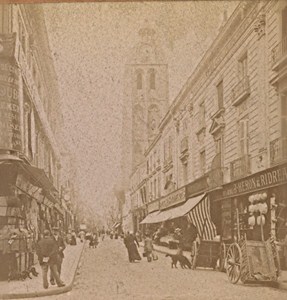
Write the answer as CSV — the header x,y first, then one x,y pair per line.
x,y
10,129
197,186
264,179
152,206
173,198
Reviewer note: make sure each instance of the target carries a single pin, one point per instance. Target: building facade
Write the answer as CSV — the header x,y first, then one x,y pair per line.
x,y
30,155
224,134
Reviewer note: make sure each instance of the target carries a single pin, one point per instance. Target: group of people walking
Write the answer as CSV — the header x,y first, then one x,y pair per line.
x,y
50,251
132,244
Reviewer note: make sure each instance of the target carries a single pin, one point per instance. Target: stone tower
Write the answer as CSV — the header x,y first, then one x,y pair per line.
x,y
146,98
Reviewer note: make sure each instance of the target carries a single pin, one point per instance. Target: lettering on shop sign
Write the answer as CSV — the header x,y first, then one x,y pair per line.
x,y
173,198
277,175
10,129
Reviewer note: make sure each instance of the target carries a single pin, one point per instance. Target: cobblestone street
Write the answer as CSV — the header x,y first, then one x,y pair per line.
x,y
105,273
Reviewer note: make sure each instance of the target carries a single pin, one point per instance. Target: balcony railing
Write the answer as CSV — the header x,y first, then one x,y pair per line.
x,y
278,150
241,91
279,52
240,167
184,145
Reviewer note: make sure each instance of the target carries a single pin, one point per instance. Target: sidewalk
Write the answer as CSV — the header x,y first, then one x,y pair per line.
x,y
34,287
282,280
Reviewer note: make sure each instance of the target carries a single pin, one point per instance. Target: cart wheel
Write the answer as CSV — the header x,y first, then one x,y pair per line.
x,y
222,257
234,263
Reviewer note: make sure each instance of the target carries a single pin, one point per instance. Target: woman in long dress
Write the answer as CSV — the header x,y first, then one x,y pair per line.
x,y
131,244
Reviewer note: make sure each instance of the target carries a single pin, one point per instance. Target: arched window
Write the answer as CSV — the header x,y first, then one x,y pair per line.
x,y
152,79
139,80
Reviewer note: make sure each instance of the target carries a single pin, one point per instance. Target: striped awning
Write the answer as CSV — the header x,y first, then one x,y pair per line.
x,y
176,212
197,210
200,217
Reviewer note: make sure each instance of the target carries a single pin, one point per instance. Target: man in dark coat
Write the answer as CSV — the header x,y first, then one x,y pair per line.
x,y
47,251
60,253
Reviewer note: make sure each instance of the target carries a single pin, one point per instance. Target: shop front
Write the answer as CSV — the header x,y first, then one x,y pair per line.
x,y
256,207
170,217
23,214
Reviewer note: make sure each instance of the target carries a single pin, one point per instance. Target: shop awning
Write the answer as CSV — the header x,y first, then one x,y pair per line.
x,y
38,177
176,212
150,218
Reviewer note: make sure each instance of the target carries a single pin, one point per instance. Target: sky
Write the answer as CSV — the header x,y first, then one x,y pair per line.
x,y
90,44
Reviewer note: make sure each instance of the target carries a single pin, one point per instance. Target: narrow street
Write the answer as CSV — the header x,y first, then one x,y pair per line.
x,y
105,273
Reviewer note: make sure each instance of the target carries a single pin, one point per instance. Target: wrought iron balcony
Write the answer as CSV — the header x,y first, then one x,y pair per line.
x,y
278,150
240,167
241,91
279,53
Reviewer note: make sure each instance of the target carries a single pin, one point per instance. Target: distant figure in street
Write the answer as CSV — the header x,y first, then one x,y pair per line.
x,y
73,238
103,233
82,236
139,236
131,244
190,237
93,241
148,247
178,236
69,237
47,251
60,253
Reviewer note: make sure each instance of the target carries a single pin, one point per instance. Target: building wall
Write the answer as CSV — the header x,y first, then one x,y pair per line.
x,y
39,98
241,57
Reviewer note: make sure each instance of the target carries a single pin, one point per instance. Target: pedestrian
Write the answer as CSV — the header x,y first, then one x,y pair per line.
x,y
82,236
73,238
191,235
60,254
69,237
178,236
131,244
148,247
47,251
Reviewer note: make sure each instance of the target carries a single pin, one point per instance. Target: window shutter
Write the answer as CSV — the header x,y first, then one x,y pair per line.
x,y
243,137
